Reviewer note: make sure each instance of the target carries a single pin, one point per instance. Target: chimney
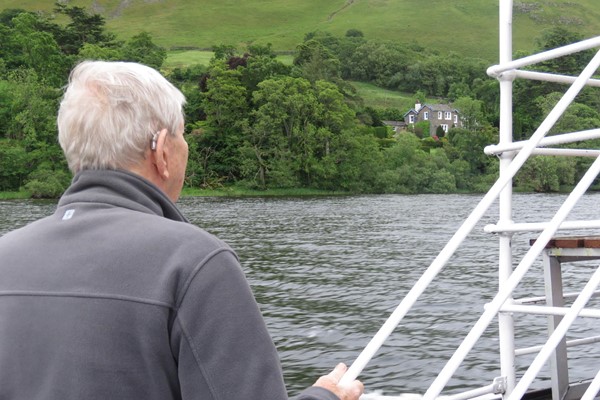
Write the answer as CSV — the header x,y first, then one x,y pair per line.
x,y
417,106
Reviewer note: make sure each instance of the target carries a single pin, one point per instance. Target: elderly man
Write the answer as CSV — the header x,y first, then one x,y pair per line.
x,y
116,295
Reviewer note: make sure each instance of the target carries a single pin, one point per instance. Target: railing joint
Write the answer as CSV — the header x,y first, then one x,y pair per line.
x,y
499,385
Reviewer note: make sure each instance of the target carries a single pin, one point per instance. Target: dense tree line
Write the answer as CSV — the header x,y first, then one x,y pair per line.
x,y
256,122
36,55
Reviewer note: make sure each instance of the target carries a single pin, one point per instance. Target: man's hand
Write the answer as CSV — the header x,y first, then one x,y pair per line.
x,y
331,381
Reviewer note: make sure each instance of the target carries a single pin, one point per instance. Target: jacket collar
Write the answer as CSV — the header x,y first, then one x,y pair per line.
x,y
122,189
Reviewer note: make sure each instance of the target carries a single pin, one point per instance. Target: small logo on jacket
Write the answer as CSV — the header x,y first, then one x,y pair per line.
x,y
68,215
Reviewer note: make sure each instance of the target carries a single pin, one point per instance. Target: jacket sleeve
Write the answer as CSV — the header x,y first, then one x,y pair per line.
x,y
220,340
316,393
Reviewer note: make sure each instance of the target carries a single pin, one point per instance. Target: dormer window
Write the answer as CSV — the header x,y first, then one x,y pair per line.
x,y
426,115
411,119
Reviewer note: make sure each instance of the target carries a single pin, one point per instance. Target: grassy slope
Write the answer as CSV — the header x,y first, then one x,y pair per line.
x,y
182,58
466,26
381,98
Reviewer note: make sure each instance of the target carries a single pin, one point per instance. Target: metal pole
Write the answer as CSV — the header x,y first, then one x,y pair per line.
x,y
540,226
505,260
544,76
491,388
593,389
496,70
570,343
547,141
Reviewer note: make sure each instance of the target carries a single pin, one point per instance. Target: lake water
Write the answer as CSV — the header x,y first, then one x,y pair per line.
x,y
328,271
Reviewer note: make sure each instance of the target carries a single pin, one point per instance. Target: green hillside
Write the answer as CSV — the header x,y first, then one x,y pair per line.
x,y
465,26
377,97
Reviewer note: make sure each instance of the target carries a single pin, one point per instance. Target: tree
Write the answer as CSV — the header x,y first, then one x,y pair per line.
x,y
487,91
469,146
332,113
226,108
358,162
546,174
439,132
224,101
91,51
292,132
32,129
471,114
285,108
262,64
39,50
458,90
409,169
317,62
83,28
354,33
10,50
140,48
527,114
14,165
577,117
559,36
379,62
422,129
223,51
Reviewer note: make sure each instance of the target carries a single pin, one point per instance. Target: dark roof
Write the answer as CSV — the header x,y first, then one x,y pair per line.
x,y
439,107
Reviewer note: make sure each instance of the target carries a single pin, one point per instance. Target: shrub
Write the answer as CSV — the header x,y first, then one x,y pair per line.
x,y
47,184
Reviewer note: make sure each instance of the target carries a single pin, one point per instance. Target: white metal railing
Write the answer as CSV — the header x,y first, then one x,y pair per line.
x,y
512,157
570,343
588,44
539,226
506,290
548,141
555,338
538,300
543,76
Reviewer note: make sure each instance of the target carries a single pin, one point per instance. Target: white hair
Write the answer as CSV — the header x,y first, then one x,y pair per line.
x,y
110,112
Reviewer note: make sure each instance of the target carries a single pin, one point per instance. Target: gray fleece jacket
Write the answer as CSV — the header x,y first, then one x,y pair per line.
x,y
117,296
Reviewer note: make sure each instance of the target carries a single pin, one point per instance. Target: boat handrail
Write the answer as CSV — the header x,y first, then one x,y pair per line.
x,y
512,157
505,292
549,77
496,70
563,152
465,229
564,138
539,226
570,343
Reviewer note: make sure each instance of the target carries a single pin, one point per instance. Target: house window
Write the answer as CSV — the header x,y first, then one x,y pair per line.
x,y
448,115
411,119
445,127
426,115
439,115
455,119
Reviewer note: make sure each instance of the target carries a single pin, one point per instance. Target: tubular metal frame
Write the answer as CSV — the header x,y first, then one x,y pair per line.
x,y
512,156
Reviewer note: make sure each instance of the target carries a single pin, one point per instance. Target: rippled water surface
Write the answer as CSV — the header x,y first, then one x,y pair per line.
x,y
328,271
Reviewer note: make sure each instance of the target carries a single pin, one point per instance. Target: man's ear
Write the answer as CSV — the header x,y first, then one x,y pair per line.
x,y
161,155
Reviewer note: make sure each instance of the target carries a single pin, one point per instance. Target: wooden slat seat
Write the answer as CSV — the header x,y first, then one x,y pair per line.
x,y
573,242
